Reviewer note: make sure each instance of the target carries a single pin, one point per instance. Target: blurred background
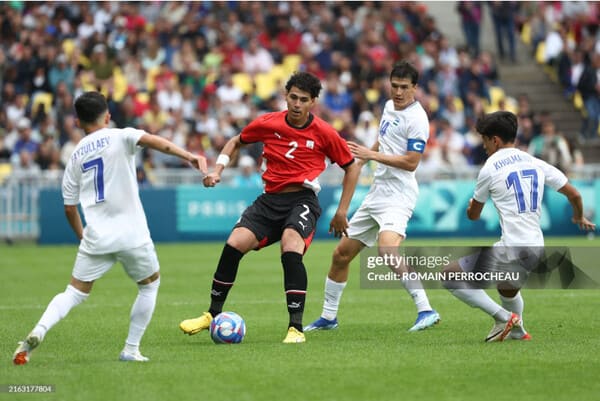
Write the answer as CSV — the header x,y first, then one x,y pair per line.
x,y
198,72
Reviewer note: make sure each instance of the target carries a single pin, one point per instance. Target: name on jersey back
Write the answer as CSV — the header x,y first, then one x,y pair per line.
x,y
507,161
93,146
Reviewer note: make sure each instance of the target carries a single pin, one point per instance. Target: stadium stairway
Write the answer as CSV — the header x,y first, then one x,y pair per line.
x,y
525,76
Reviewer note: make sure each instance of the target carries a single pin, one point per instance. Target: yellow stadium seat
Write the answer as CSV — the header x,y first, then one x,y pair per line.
x,y
372,95
266,86
151,78
458,103
44,98
540,53
526,33
291,62
279,73
68,45
243,82
142,97
577,101
5,170
496,94
119,85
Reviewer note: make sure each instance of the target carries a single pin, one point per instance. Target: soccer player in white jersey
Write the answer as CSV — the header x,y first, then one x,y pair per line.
x,y
514,180
383,216
101,176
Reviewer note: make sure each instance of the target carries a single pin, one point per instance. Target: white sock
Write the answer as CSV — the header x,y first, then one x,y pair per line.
x,y
418,294
515,305
58,308
480,299
141,314
333,294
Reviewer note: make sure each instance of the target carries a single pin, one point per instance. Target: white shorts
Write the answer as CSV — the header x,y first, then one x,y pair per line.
x,y
381,210
139,263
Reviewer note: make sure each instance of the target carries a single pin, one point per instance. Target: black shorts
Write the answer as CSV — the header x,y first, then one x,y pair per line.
x,y
270,214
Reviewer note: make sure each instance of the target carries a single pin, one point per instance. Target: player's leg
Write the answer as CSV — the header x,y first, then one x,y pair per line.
x,y
389,244
512,300
478,298
298,230
295,282
141,264
86,270
240,241
335,282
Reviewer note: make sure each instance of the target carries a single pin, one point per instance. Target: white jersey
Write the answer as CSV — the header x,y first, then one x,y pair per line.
x,y
401,131
101,176
515,181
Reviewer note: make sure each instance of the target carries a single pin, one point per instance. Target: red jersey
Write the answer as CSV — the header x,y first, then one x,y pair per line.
x,y
295,156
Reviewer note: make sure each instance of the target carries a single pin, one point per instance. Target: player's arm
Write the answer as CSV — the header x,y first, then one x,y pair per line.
x,y
230,150
165,146
474,209
74,219
339,222
408,161
576,202
374,148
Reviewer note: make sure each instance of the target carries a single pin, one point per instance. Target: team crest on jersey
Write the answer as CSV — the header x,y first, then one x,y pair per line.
x,y
310,144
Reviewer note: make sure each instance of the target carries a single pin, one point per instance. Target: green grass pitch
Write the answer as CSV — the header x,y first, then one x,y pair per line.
x,y
370,357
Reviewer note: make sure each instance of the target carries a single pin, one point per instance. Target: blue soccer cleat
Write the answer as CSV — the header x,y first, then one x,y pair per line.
x,y
425,319
322,324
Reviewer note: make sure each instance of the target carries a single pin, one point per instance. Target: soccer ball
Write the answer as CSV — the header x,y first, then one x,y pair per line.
x,y
227,328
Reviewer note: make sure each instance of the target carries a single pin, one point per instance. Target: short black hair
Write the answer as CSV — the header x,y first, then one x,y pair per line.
x,y
502,124
404,69
306,82
90,106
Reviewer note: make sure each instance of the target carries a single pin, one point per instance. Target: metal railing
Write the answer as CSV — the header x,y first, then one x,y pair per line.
x,y
19,192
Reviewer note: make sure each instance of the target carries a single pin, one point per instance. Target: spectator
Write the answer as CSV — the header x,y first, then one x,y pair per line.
x,y
25,141
552,147
256,59
452,144
503,16
248,177
470,15
61,71
589,87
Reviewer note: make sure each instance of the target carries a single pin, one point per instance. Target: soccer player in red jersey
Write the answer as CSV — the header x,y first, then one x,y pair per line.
x,y
296,145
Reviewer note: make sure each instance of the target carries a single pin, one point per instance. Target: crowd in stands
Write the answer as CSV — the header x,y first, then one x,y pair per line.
x,y
198,72
564,37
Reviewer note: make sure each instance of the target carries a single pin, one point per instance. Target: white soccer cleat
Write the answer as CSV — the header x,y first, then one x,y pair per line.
x,y
501,330
21,355
136,357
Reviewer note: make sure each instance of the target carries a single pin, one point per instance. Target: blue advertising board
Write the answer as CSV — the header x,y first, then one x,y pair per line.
x,y
193,213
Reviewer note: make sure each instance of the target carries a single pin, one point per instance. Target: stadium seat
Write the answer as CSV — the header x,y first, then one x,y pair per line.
x,y
279,73
68,45
540,53
266,85
44,98
119,85
526,33
496,95
5,170
243,82
291,62
577,100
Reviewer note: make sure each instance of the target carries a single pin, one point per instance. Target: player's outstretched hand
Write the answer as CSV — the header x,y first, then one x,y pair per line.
x,y
584,224
211,179
338,225
362,152
199,163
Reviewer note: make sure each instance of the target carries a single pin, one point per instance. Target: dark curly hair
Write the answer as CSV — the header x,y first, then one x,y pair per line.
x,y
306,82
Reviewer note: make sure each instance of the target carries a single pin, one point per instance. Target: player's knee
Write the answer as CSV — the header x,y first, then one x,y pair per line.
x,y
341,257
